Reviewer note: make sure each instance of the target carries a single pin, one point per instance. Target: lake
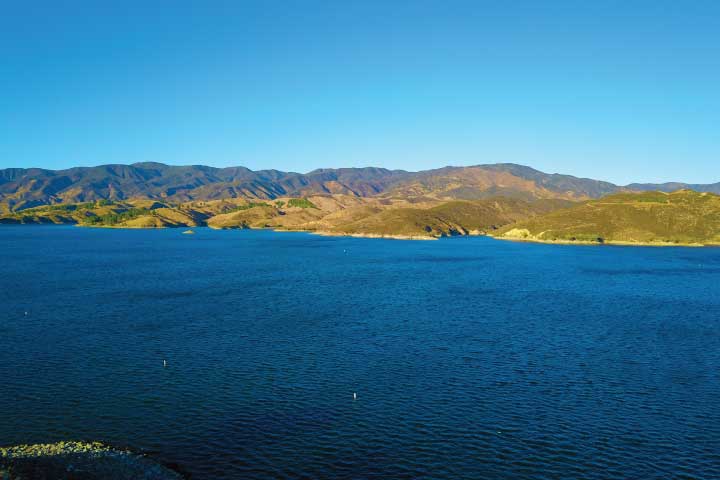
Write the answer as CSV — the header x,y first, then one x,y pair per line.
x,y
470,357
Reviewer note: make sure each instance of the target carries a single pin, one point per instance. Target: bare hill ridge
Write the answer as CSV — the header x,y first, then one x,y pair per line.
x,y
26,188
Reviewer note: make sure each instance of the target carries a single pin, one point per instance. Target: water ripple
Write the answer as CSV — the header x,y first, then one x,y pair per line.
x,y
470,358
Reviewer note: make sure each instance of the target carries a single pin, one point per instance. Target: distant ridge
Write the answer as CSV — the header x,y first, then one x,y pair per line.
x,y
25,188
675,186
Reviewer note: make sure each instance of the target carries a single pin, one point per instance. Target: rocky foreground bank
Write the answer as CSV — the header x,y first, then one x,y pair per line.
x,y
78,461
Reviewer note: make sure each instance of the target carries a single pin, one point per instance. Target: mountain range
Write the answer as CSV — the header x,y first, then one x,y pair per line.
x,y
26,188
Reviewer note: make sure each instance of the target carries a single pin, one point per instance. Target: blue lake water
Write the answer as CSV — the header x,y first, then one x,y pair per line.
x,y
471,358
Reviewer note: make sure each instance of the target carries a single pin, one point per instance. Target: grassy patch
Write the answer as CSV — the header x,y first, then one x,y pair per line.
x,y
247,206
117,217
300,203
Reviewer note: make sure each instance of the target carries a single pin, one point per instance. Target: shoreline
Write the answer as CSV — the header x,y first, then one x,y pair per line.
x,y
323,233
611,243
91,460
366,235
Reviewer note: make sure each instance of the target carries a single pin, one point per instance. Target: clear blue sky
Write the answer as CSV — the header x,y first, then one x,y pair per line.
x,y
617,90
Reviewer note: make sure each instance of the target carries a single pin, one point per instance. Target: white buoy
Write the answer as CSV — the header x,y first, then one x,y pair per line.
x,y
164,363
354,396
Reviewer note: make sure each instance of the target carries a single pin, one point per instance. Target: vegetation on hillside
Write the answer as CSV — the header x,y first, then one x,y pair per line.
x,y
682,217
300,203
447,219
245,206
105,213
110,219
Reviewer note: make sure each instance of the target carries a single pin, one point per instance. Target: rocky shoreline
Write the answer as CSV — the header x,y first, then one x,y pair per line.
x,y
615,243
79,461
368,235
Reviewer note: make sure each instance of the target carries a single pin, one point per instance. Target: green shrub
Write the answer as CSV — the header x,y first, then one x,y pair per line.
x,y
117,217
247,206
301,203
